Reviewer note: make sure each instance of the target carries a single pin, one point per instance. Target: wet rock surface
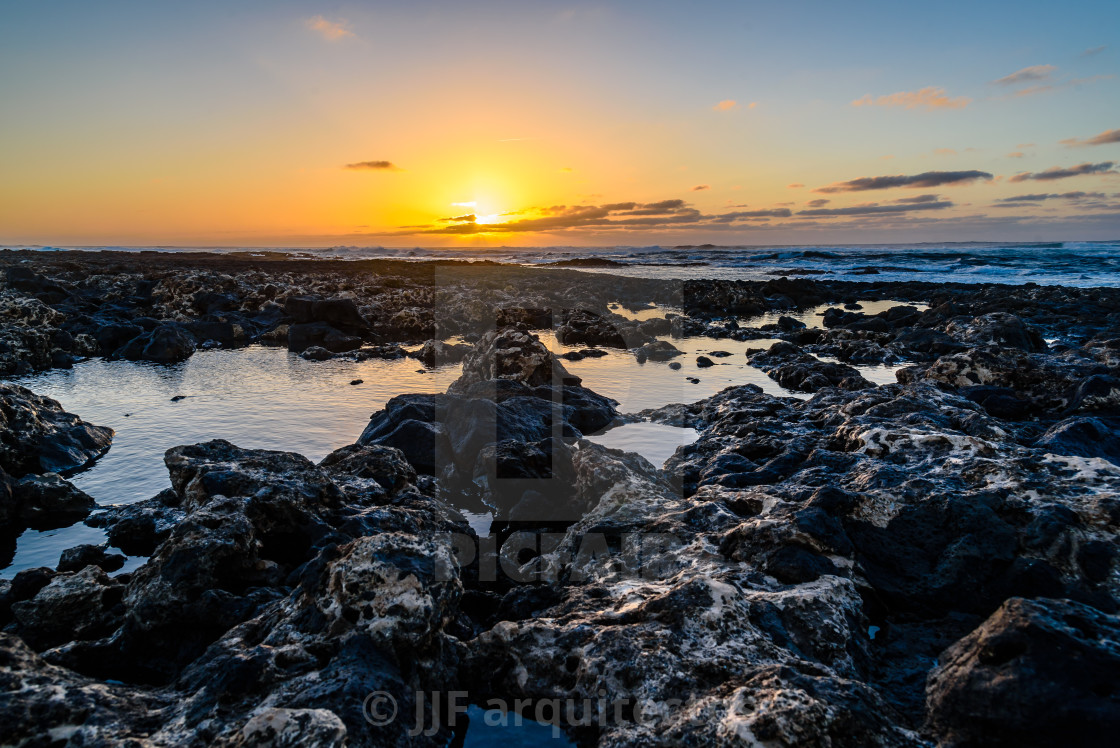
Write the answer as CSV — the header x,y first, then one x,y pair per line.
x,y
39,440
794,369
931,562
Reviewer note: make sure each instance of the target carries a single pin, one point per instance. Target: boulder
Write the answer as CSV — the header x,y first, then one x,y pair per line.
x,y
795,369
81,556
78,605
997,329
512,355
584,327
305,335
48,500
1036,673
168,343
38,436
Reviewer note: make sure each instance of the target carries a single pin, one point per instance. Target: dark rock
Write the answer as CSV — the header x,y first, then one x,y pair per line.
x,y
584,327
339,313
513,355
78,605
137,529
305,335
1036,673
81,556
48,500
1000,329
37,435
789,324
658,350
1084,437
795,369
438,353
167,344
703,362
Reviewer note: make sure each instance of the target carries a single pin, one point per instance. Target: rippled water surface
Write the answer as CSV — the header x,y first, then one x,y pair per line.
x,y
268,398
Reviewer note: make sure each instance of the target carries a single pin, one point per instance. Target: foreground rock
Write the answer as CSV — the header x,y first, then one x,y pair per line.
x,y
38,436
794,369
315,585
1036,673
38,440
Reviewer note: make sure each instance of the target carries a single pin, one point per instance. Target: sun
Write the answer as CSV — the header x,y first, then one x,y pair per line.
x,y
478,208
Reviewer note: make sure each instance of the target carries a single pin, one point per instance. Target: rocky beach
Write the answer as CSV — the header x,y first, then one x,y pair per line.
x,y
834,558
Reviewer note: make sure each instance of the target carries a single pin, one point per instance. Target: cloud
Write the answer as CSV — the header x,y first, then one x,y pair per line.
x,y
1094,50
927,98
1038,198
875,209
374,166
1060,172
925,179
918,199
330,30
795,186
819,202
699,187
944,152
726,105
741,214
566,170
1026,75
1106,137
1047,87
752,105
1016,154
606,217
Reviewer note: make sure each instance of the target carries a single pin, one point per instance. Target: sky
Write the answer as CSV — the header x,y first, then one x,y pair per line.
x,y
274,123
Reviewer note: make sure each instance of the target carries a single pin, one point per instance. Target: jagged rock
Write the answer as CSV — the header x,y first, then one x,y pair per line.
x,y
38,436
340,313
81,556
46,703
73,606
999,329
789,324
48,500
1036,673
513,355
138,528
438,353
1084,437
292,728
386,467
795,369
584,327
320,334
167,344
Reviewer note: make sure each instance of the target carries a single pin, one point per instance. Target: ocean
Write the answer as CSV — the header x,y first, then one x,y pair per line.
x,y
1083,264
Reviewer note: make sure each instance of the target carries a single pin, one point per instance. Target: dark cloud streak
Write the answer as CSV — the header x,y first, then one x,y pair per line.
x,y
925,179
373,166
1060,172
875,209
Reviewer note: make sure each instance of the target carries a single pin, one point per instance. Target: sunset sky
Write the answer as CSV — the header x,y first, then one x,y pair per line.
x,y
533,123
